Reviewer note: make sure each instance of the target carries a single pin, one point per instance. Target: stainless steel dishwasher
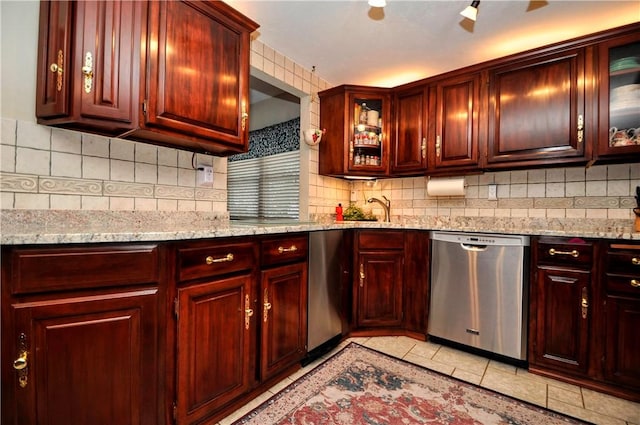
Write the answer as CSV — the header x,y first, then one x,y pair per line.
x,y
324,323
479,291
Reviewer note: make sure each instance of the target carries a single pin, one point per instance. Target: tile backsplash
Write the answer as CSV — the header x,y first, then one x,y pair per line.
x,y
601,191
51,168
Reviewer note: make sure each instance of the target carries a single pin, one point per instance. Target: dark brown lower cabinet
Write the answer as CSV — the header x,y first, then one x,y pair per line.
x,y
81,335
622,341
585,313
215,327
562,331
378,278
88,360
284,318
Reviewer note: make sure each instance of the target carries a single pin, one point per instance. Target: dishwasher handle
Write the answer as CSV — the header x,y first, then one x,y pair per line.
x,y
473,248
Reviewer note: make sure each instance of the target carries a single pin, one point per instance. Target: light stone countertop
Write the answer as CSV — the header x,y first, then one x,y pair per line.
x,y
22,227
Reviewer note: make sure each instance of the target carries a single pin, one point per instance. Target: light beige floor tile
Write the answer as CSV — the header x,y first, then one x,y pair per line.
x,y
585,415
425,349
559,384
569,397
516,386
461,360
430,364
611,406
393,346
503,367
467,376
280,385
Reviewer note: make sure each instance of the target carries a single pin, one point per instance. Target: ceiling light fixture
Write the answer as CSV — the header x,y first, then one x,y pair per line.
x,y
471,12
377,3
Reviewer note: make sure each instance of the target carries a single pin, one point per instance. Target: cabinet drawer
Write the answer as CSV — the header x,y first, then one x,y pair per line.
x,y
284,249
52,269
212,260
624,284
563,252
380,240
623,259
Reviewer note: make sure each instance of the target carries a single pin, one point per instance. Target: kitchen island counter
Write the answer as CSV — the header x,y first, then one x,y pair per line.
x,y
22,227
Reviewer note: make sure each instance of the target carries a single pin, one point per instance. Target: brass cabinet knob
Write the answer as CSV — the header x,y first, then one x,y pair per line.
x,y
21,362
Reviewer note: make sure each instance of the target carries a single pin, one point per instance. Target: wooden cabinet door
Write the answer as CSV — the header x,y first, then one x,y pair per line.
x,y
54,57
621,343
198,81
215,325
537,111
409,145
89,63
90,360
107,60
561,322
379,288
456,138
284,318
415,289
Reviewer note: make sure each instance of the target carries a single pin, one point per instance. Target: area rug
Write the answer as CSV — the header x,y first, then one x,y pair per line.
x,y
360,386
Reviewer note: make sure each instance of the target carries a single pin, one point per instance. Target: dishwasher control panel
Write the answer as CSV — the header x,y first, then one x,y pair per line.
x,y
480,238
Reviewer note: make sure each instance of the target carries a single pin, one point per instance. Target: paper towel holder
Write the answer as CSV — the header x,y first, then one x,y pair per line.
x,y
456,190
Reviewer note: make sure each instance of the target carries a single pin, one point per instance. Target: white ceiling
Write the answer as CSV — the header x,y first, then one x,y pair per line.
x,y
349,42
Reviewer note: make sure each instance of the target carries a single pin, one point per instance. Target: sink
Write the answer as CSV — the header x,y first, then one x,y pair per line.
x,y
270,222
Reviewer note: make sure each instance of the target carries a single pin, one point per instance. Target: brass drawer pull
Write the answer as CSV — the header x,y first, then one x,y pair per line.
x,y
362,277
635,283
293,248
635,261
266,305
584,303
572,253
21,362
210,260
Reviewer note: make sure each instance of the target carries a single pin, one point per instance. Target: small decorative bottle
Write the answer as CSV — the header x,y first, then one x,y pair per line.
x,y
339,216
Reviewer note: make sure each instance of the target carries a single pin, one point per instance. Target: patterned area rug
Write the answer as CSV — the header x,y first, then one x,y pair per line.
x,y
360,386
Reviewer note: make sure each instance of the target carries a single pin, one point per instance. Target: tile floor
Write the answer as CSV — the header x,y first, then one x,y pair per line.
x,y
570,399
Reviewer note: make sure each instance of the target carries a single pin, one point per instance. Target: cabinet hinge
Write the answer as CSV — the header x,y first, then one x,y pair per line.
x,y
176,307
144,107
175,411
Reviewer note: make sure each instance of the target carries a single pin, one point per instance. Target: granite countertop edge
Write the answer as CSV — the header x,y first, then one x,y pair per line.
x,y
25,227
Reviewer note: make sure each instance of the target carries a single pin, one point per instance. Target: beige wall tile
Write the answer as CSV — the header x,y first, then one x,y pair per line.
x,y
32,161
122,170
617,188
67,186
596,188
66,141
31,201
146,153
618,172
145,204
66,202
117,203
95,203
575,174
7,158
66,164
146,173
122,149
95,168
94,145
32,135
167,205
7,200
596,172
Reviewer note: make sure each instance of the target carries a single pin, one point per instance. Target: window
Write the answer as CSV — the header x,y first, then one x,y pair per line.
x,y
267,187
265,182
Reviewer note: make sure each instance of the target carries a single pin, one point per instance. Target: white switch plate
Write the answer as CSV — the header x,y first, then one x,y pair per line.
x,y
354,196
492,194
204,176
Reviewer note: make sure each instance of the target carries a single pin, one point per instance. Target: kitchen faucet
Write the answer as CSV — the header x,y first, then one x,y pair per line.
x,y
386,204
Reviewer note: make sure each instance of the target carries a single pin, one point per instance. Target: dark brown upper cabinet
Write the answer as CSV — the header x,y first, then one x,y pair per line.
x,y
537,111
83,81
357,120
172,73
409,144
619,97
455,144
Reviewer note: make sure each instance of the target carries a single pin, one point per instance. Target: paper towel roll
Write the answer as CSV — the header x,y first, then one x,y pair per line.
x,y
446,187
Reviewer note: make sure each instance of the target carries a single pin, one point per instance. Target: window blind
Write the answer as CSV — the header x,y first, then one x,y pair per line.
x,y
267,187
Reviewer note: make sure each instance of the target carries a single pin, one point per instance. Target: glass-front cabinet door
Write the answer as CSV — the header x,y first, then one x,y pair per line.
x,y
619,130
367,151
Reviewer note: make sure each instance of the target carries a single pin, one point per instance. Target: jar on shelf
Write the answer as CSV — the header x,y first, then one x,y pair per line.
x,y
363,113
